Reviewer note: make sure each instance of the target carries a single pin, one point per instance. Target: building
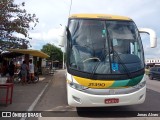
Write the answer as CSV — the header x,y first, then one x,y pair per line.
x,y
150,62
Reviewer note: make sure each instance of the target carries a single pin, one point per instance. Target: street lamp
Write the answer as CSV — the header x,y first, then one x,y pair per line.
x,y
63,56
63,59
62,40
53,53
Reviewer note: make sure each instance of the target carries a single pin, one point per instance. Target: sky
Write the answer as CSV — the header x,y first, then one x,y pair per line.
x,y
52,13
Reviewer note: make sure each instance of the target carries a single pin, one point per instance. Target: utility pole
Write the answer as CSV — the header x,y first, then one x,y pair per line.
x,y
63,59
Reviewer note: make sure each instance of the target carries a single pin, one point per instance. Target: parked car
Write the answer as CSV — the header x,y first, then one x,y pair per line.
x,y
154,72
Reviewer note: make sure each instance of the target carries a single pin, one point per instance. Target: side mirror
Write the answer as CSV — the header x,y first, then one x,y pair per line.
x,y
153,37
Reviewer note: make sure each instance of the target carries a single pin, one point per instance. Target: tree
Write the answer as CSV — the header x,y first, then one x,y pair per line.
x,y
13,20
54,52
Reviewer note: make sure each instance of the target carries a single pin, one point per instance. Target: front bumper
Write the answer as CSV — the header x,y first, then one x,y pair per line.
x,y
78,98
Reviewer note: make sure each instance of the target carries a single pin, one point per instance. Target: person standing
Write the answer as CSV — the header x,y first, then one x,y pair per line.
x,y
31,70
11,69
24,69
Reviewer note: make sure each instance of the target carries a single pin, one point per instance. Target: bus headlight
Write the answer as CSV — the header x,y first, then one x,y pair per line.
x,y
140,85
77,86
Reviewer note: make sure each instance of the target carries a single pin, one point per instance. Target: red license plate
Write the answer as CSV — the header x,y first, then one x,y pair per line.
x,y
111,100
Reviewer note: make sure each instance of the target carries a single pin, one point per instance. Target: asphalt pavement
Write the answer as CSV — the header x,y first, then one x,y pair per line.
x,y
49,94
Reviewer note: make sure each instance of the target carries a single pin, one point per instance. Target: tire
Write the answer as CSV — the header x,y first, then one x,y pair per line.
x,y
85,112
79,111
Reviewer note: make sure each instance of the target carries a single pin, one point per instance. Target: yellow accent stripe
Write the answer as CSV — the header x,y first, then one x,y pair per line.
x,y
102,16
93,83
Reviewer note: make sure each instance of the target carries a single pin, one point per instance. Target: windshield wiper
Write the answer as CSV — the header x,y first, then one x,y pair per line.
x,y
96,66
123,64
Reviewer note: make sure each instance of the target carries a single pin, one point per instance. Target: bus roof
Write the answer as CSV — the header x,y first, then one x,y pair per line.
x,y
100,16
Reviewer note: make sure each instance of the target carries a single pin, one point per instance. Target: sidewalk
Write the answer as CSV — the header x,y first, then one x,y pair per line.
x,y
25,95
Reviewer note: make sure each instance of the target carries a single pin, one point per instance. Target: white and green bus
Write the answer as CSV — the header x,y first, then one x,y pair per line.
x,y
105,60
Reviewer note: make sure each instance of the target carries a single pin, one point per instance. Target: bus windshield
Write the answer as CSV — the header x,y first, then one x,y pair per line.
x,y
104,47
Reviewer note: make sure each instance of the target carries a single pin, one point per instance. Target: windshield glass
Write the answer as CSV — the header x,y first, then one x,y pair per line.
x,y
104,47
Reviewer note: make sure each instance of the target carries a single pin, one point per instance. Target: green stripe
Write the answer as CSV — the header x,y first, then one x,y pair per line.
x,y
127,82
135,81
120,83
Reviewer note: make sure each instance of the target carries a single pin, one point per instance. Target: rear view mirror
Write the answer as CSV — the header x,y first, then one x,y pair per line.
x,y
153,37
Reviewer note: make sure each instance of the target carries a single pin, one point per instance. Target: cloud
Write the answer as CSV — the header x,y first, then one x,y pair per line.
x,y
52,13
51,36
152,52
36,44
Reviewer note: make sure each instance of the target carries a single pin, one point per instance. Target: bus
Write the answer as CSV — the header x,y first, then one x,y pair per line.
x,y
105,60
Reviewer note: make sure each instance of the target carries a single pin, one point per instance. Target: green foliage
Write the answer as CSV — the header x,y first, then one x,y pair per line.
x,y
14,19
54,52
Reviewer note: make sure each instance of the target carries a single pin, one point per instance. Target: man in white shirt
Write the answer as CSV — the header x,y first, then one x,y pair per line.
x,y
31,70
